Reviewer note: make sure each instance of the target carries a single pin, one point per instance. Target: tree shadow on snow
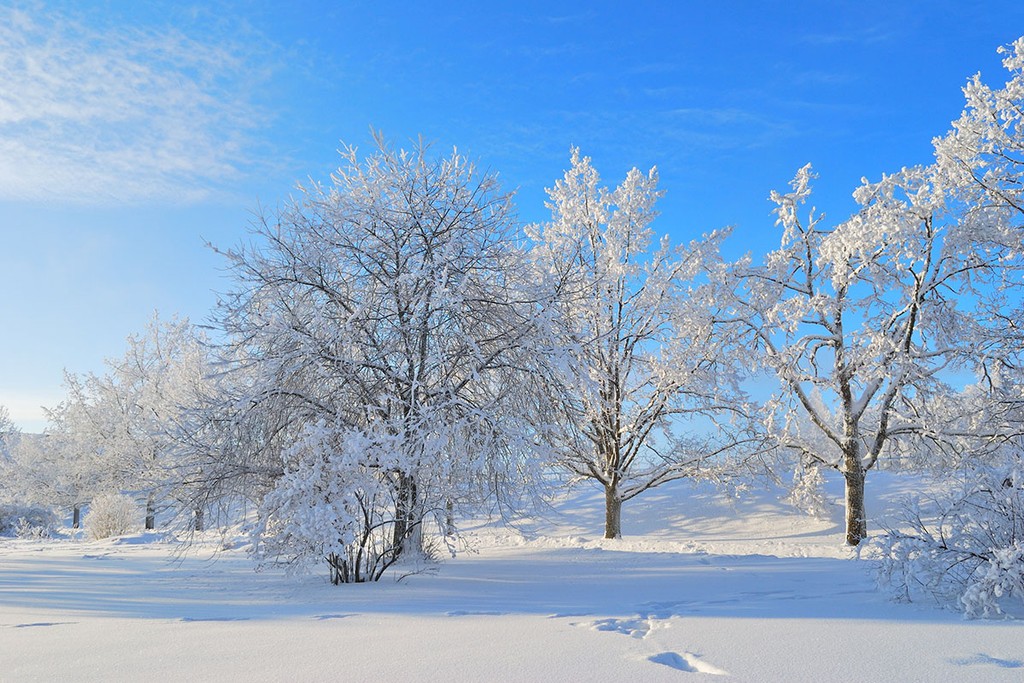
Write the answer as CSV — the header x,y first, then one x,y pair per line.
x,y
551,582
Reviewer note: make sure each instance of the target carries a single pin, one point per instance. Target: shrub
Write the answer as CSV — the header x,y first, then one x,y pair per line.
x,y
111,514
26,521
963,548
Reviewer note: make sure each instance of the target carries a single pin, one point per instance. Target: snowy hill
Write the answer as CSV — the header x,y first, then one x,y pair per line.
x,y
702,586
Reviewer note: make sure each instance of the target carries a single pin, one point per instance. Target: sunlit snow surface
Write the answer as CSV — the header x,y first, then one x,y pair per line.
x,y
701,588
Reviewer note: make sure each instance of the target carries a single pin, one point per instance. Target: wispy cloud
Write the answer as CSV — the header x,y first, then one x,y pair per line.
x,y
576,18
725,128
877,33
680,137
814,77
118,114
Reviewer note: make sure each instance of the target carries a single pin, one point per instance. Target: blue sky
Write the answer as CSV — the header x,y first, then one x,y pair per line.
x,y
130,133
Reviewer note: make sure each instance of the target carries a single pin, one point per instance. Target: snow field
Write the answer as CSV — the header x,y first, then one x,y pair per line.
x,y
701,588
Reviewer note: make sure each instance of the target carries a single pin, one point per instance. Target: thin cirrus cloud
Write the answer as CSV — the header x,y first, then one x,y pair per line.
x,y
877,33
92,115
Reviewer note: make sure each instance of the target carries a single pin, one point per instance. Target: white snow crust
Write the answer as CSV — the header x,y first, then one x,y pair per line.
x,y
703,587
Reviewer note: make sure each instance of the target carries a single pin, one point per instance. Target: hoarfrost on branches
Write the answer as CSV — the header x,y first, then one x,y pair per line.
x,y
860,323
962,547
8,434
119,431
806,493
634,324
111,514
384,352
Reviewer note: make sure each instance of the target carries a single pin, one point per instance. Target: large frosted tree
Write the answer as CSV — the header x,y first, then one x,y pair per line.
x,y
639,356
962,546
863,321
384,333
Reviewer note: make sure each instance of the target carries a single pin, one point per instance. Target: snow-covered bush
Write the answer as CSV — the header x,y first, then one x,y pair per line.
x,y
26,521
964,547
26,529
337,502
111,514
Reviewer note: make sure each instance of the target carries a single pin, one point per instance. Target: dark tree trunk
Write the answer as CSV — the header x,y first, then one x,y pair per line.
x,y
76,517
856,516
339,569
150,514
200,522
405,506
612,512
449,517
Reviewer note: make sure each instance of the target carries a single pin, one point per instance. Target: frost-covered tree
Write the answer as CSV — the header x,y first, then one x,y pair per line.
x,y
636,333
860,322
27,472
25,500
117,432
9,478
69,466
8,433
384,335
963,544
158,380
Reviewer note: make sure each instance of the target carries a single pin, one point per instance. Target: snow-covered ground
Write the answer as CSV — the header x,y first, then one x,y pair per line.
x,y
701,587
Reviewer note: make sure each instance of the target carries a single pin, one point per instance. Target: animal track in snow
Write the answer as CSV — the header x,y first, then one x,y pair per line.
x,y
686,662
642,626
635,628
982,659
639,626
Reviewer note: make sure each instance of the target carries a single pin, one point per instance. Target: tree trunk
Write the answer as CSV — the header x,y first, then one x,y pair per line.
x,y
449,517
200,522
612,512
405,506
856,517
339,569
76,517
150,514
